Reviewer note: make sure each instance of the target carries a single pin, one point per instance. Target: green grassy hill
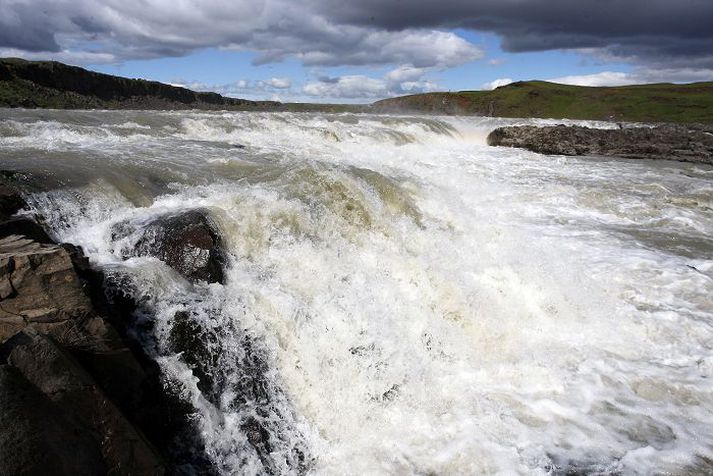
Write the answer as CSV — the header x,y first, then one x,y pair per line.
x,y
642,103
48,84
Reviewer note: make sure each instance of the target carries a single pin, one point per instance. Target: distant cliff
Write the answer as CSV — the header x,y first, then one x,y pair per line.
x,y
49,84
681,103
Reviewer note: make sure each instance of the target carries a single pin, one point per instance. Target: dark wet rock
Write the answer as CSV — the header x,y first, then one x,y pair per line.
x,y
199,350
188,242
52,290
79,400
227,361
68,332
668,142
36,437
11,201
25,227
156,402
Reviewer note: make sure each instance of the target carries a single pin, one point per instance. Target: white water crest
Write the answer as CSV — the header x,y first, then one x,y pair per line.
x,y
417,301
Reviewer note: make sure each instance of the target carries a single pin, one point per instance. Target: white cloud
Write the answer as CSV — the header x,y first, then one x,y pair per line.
x,y
245,88
496,61
638,76
414,87
279,83
402,80
605,78
354,86
405,73
497,83
65,56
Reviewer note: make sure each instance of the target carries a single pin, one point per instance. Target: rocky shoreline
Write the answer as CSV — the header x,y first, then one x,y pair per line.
x,y
666,142
78,396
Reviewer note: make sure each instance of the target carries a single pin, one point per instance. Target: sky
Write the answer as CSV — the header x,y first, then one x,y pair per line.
x,y
359,51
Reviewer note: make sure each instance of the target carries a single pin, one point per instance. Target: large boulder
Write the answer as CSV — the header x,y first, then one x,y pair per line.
x,y
668,142
78,399
188,242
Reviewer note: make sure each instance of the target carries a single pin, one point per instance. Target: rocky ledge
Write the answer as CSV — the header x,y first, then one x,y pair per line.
x,y
77,396
667,142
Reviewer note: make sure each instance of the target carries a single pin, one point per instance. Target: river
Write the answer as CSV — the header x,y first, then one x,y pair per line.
x,y
405,298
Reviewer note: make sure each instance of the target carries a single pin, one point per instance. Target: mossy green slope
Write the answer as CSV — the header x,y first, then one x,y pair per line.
x,y
684,103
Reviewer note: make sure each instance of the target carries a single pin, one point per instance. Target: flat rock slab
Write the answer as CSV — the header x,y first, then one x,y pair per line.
x,y
40,287
670,142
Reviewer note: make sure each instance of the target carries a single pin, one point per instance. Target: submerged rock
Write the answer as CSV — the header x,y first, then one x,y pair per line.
x,y
234,375
199,350
188,242
669,142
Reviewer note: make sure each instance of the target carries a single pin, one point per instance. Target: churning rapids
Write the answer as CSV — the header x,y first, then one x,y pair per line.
x,y
401,298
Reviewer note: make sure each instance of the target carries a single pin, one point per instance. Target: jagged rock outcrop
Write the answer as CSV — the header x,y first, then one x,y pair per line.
x,y
66,375
39,287
188,242
669,142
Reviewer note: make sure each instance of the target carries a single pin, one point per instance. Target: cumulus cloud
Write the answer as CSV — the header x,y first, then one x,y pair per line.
x,y
405,80
605,78
352,86
497,83
638,76
660,38
275,29
279,83
260,89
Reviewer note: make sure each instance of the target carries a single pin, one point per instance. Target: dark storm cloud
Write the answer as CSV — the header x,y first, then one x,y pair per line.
x,y
656,31
653,33
274,29
26,28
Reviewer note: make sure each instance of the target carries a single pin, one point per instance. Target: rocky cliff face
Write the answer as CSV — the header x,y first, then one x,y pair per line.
x,y
669,142
52,84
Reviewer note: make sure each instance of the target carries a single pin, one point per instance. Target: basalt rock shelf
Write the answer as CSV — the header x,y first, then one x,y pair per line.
x,y
669,142
76,396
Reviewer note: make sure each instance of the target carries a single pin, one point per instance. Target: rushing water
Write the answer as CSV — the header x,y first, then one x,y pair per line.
x,y
408,299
